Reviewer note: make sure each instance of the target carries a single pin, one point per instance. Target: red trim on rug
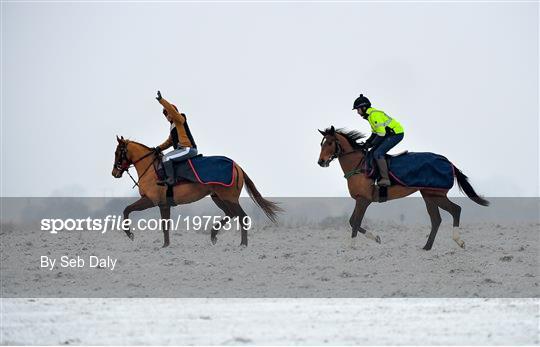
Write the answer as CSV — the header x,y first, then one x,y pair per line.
x,y
218,183
430,188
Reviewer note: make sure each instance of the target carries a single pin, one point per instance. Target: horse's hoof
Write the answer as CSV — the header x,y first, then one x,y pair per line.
x,y
166,244
378,239
462,244
426,248
243,245
354,234
214,240
131,236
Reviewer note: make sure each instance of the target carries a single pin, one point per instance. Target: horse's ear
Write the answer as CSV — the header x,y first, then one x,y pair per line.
x,y
118,139
322,132
332,130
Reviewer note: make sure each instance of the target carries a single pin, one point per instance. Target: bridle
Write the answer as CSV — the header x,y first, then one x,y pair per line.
x,y
123,163
338,152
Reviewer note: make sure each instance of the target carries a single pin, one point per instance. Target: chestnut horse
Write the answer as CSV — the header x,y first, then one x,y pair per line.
x,y
226,198
344,146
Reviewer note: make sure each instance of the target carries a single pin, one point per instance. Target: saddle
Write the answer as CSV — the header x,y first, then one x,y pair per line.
x,y
387,155
180,174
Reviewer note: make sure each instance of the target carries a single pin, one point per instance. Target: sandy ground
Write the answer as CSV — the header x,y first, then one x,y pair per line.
x,y
285,288
499,261
271,321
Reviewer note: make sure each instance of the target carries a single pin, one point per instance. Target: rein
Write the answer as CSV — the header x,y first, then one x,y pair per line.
x,y
124,168
339,154
145,170
357,169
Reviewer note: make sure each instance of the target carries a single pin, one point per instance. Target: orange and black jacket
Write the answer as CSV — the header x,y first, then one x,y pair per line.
x,y
180,135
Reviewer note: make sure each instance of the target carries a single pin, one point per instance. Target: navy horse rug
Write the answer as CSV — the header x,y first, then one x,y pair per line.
x,y
205,170
419,170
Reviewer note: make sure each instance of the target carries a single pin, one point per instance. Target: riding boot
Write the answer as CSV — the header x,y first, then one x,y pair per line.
x,y
169,173
384,181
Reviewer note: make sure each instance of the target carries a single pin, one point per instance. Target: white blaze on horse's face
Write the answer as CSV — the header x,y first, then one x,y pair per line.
x,y
328,149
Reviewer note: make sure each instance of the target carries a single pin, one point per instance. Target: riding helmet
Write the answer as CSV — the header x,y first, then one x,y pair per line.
x,y
361,101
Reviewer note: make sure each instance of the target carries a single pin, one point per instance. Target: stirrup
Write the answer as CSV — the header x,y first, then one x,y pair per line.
x,y
384,185
165,182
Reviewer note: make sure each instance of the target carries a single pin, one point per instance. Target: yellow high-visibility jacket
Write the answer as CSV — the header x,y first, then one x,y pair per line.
x,y
380,120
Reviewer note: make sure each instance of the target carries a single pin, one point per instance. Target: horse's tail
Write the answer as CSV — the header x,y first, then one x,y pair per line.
x,y
465,186
270,208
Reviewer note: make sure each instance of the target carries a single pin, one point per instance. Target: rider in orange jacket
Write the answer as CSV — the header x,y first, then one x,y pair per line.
x,y
180,139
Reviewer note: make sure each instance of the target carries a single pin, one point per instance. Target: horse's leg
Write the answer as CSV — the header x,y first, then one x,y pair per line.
x,y
356,220
358,214
165,222
241,214
217,226
435,217
139,205
230,199
455,210
236,211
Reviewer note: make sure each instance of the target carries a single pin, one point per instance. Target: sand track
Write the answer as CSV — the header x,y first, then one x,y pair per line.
x,y
270,321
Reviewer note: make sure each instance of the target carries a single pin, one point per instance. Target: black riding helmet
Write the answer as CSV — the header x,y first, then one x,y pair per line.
x,y
361,101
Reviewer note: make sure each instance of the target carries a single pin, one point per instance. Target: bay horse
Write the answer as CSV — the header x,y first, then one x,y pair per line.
x,y
144,158
344,146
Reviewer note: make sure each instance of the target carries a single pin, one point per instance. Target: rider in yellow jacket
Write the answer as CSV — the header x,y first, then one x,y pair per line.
x,y
386,132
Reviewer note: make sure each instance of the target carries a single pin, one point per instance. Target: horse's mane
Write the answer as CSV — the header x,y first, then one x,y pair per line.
x,y
352,136
137,143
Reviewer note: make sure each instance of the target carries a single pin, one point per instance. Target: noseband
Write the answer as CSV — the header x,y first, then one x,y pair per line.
x,y
123,163
338,151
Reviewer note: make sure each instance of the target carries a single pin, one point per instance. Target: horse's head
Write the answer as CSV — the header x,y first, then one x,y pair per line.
x,y
337,143
121,161
330,147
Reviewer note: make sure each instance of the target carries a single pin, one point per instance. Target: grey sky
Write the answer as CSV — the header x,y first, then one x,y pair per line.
x,y
258,79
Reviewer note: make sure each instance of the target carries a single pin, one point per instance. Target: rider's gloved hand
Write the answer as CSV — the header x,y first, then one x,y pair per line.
x,y
156,150
158,97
